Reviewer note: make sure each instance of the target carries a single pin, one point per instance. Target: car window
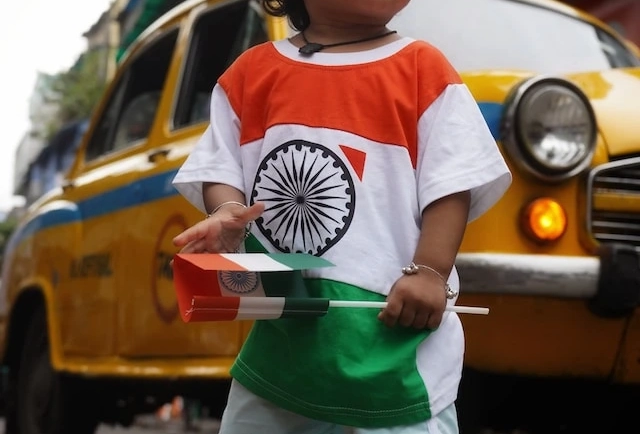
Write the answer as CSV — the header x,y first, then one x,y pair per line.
x,y
510,34
617,53
136,120
132,107
219,36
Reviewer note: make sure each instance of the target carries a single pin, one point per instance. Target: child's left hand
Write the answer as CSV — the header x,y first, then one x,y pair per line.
x,y
416,300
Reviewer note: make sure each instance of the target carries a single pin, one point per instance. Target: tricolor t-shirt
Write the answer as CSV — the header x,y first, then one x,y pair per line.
x,y
346,150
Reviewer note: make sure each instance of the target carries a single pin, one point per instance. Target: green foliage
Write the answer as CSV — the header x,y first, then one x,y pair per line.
x,y
79,89
6,228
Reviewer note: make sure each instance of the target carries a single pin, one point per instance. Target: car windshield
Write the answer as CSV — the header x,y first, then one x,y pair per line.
x,y
509,34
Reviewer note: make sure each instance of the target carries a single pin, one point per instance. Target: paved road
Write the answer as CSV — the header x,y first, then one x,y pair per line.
x,y
150,425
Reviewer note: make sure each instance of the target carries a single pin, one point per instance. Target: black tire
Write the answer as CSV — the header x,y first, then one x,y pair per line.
x,y
46,402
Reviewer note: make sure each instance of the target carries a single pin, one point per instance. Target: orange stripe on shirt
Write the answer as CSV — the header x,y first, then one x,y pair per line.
x,y
381,101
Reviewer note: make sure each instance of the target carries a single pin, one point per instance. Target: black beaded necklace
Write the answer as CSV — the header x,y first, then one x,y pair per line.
x,y
313,47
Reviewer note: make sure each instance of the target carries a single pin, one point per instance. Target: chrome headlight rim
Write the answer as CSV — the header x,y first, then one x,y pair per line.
x,y
512,136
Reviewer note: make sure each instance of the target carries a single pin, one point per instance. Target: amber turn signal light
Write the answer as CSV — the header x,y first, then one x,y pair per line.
x,y
544,220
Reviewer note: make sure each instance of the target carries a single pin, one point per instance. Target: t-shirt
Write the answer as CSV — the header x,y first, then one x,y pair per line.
x,y
346,150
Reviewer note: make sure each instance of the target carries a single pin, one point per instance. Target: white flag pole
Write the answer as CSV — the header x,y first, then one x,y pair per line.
x,y
383,304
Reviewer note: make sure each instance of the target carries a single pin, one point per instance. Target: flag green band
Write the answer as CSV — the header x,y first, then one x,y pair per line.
x,y
299,261
305,307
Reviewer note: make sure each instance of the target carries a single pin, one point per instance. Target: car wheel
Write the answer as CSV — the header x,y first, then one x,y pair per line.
x,y
46,403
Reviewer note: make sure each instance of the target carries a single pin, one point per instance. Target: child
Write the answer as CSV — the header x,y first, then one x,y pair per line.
x,y
352,143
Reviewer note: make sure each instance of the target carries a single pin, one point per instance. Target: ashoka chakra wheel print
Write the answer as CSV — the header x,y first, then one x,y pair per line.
x,y
239,282
309,197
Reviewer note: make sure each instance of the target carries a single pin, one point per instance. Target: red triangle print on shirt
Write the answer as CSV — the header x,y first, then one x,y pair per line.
x,y
356,158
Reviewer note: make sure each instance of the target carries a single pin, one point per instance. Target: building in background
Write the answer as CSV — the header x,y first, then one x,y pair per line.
x,y
43,156
99,43
26,152
623,15
104,38
47,171
42,112
47,168
42,106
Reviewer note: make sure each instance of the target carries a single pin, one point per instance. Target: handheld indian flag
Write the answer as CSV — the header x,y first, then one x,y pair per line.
x,y
251,286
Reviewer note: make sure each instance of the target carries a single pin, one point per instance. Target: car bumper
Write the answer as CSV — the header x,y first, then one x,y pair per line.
x,y
609,281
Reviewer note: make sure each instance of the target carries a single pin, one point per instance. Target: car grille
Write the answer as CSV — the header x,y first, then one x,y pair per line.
x,y
617,220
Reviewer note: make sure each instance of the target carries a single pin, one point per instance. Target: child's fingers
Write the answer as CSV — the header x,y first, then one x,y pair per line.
x,y
421,321
240,216
434,321
391,313
195,246
407,316
195,232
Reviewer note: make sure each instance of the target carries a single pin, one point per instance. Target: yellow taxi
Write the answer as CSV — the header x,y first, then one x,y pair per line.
x,y
89,326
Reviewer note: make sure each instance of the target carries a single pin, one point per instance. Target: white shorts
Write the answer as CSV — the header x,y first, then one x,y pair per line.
x,y
247,413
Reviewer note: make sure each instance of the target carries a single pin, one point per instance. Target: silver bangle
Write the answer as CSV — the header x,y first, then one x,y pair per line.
x,y
413,268
230,202
247,229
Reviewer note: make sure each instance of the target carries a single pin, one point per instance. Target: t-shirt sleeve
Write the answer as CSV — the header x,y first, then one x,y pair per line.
x,y
216,156
456,152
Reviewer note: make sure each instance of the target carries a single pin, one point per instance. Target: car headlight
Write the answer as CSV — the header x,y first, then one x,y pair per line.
x,y
549,129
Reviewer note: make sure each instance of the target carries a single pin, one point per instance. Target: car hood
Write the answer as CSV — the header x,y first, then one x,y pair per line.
x,y
615,97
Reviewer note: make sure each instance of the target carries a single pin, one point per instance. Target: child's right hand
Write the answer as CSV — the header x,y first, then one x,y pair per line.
x,y
222,232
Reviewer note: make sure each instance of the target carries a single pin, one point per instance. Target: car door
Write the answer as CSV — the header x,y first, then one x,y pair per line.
x,y
104,186
216,36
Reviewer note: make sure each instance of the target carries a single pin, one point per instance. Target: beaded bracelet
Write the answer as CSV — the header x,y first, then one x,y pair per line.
x,y
247,229
413,269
